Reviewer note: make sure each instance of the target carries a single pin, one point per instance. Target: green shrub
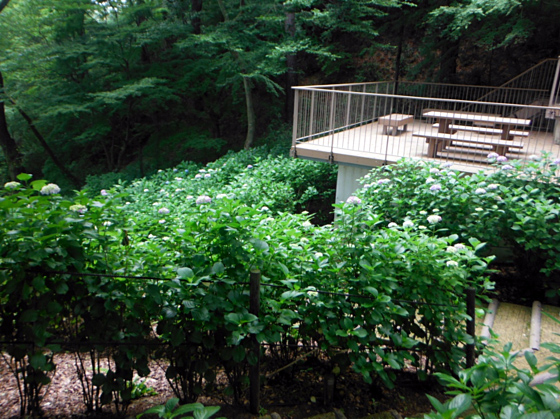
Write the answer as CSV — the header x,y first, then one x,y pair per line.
x,y
515,206
496,388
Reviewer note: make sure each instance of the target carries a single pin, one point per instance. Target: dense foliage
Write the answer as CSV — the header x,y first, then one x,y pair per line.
x,y
129,87
515,209
159,269
497,388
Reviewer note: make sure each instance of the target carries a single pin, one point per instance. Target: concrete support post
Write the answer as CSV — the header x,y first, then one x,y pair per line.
x,y
347,180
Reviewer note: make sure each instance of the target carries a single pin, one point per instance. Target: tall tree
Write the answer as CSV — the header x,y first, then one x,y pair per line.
x,y
508,31
7,143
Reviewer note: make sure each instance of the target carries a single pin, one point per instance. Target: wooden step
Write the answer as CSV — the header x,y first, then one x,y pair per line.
x,y
513,324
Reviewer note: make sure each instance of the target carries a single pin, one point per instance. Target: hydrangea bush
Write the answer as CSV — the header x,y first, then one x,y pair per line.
x,y
514,206
166,261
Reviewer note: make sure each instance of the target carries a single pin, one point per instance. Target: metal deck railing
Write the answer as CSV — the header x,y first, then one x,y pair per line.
x,y
340,123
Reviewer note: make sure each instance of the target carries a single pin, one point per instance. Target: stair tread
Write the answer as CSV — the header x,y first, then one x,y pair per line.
x,y
513,324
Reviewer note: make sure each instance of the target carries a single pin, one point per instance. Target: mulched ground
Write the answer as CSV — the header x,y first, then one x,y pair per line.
x,y
299,393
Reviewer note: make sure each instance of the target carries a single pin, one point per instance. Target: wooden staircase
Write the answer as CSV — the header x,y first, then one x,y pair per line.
x,y
525,327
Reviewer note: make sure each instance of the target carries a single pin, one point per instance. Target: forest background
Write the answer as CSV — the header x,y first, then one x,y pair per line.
x,y
93,91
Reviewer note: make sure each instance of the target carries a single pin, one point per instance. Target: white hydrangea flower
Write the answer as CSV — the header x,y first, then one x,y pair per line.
x,y
12,185
50,189
203,199
81,209
434,219
354,200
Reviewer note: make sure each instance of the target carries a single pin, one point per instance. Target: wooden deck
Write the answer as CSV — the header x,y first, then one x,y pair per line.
x,y
367,146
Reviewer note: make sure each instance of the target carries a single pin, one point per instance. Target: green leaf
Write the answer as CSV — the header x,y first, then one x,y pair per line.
x,y
538,415
531,359
185,273
29,316
260,245
218,268
238,353
62,288
38,361
288,295
24,177
169,312
38,184
159,410
459,404
171,403
360,332
364,263
240,318
206,412
192,407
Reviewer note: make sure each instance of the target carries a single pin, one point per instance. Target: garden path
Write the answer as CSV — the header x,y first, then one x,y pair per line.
x,y
525,327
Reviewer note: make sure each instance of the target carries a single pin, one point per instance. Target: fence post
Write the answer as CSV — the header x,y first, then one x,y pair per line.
x,y
471,326
254,370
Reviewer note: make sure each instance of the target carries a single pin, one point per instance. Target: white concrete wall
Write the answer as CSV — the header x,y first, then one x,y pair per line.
x,y
347,180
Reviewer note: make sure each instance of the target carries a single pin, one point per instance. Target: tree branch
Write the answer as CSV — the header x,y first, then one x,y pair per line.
x,y
45,145
3,3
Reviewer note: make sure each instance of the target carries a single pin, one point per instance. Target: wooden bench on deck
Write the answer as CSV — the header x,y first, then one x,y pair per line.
x,y
437,141
483,130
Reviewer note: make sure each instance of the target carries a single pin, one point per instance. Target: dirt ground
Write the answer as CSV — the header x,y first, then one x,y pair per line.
x,y
297,394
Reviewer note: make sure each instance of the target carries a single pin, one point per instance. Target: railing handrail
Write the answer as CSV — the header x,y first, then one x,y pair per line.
x,y
460,86
423,98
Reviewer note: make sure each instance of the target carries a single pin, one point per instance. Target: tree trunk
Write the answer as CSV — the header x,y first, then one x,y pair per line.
x,y
398,59
3,3
449,60
46,146
291,63
7,143
196,8
247,85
